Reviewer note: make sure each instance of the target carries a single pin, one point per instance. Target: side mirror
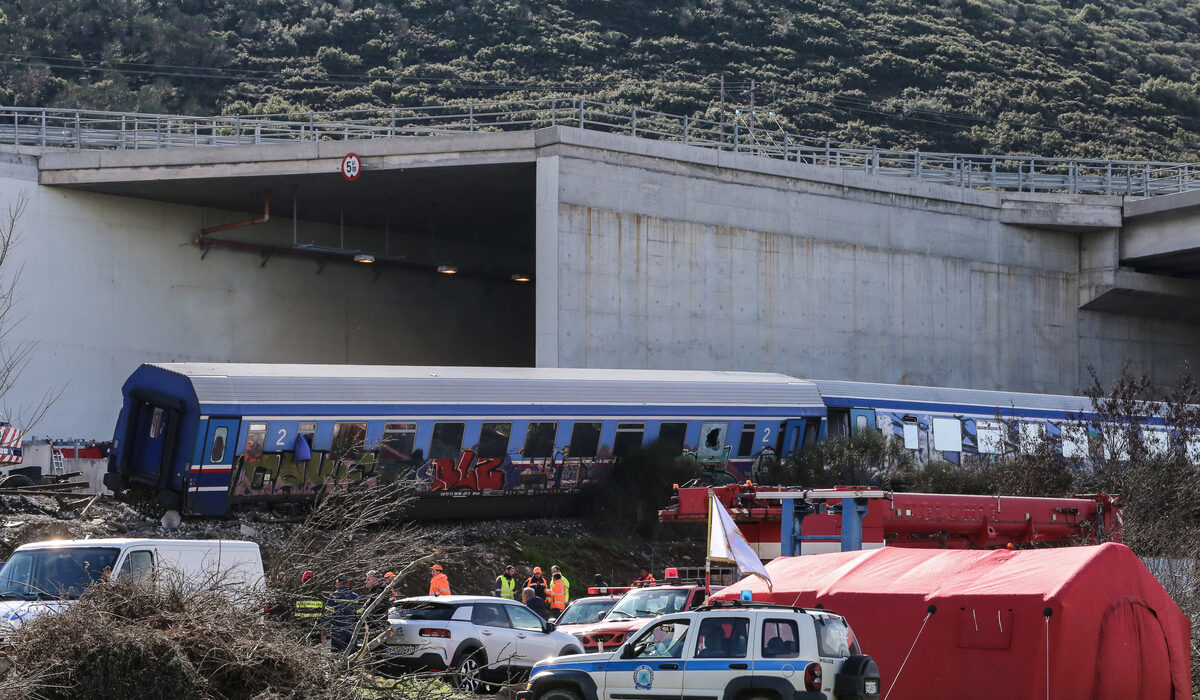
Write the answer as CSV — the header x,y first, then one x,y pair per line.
x,y
627,651
549,626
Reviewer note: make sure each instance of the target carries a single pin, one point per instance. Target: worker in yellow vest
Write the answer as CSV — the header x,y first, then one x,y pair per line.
x,y
558,595
506,584
438,583
555,571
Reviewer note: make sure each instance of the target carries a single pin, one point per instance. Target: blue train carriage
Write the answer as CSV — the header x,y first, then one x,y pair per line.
x,y
202,438
961,426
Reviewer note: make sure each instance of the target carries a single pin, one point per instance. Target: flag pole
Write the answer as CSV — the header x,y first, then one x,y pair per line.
x,y
708,553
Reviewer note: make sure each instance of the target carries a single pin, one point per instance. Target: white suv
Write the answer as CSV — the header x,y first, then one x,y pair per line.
x,y
479,637
732,650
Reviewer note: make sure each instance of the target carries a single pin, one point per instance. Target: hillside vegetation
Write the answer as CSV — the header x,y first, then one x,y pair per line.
x,y
1094,78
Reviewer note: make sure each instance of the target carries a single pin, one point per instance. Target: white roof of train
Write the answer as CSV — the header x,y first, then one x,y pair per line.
x,y
234,383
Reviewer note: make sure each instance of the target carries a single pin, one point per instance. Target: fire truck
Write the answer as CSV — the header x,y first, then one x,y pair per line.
x,y
895,519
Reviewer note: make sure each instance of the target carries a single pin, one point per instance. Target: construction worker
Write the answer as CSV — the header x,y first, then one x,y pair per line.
x,y
340,616
537,582
554,571
387,582
438,583
558,595
645,578
506,584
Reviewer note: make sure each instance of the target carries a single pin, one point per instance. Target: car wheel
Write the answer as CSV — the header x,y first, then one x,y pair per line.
x,y
15,481
467,670
569,651
559,694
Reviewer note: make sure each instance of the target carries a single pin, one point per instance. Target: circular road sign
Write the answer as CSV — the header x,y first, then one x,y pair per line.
x,y
351,166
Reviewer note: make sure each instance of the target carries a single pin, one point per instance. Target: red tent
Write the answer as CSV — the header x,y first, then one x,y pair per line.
x,y
1072,622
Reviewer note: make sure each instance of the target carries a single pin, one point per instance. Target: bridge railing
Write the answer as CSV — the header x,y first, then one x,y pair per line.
x,y
89,129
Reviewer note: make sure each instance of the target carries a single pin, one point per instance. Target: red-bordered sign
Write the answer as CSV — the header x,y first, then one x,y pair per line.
x,y
351,166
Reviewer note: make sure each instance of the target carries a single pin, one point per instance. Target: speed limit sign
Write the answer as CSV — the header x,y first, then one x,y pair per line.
x,y
351,166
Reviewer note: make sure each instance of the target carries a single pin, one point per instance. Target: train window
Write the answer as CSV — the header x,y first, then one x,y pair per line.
x,y
1116,443
539,440
348,440
990,434
912,433
585,439
1156,441
220,435
746,443
1193,449
398,441
712,440
156,423
255,440
493,440
1032,435
629,437
673,434
839,422
947,435
1074,441
447,440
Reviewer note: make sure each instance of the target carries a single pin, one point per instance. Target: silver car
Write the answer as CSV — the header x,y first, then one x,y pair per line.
x,y
479,638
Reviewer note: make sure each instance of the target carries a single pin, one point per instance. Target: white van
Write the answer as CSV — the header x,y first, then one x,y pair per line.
x,y
43,576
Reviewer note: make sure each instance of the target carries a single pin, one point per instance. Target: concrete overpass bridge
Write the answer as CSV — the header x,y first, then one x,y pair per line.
x,y
587,235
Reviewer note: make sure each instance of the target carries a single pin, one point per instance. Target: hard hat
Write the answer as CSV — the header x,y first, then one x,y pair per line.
x,y
390,574
537,569
436,567
306,577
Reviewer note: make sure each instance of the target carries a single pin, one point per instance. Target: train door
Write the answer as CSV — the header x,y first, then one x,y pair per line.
x,y
151,444
862,420
210,478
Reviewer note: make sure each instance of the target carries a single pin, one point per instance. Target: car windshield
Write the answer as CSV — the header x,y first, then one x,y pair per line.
x,y
421,610
649,602
55,573
583,612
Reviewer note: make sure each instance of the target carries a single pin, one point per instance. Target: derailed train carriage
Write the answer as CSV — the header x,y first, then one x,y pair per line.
x,y
488,442
205,438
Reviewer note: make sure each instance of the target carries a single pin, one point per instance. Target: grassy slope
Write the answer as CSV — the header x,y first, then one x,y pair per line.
x,y
1102,78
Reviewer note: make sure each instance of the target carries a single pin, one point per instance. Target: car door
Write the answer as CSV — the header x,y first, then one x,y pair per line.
x,y
534,643
651,665
496,632
719,653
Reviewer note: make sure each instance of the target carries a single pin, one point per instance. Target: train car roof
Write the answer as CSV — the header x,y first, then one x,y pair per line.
x,y
263,384
844,394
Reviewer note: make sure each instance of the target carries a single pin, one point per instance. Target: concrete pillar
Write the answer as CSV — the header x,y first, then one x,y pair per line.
x,y
546,247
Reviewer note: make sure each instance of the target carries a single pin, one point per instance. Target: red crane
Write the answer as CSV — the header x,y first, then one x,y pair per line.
x,y
928,520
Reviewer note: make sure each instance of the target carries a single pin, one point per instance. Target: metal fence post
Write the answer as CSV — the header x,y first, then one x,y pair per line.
x,y
1108,178
580,112
917,165
122,132
633,123
686,126
471,116
16,128
1146,182
78,133
237,129
43,128
826,151
553,111
874,160
1071,170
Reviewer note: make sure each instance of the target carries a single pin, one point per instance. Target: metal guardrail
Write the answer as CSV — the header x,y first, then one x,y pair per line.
x,y
85,129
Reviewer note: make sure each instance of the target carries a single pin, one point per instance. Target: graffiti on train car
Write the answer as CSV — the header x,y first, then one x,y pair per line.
x,y
281,477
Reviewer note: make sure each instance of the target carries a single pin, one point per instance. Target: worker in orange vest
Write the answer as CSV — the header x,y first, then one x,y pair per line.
x,y
558,595
645,580
438,584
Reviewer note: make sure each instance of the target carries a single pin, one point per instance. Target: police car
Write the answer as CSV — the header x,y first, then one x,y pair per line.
x,y
737,649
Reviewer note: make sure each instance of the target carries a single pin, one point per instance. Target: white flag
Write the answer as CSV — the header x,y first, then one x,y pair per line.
x,y
727,545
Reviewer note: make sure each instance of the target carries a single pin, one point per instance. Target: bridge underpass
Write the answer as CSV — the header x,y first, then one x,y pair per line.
x,y
657,254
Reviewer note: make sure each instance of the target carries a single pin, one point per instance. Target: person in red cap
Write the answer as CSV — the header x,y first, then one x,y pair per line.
x,y
439,585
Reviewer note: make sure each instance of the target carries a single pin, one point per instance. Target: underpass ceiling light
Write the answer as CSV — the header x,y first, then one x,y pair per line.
x,y
447,269
521,277
364,258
